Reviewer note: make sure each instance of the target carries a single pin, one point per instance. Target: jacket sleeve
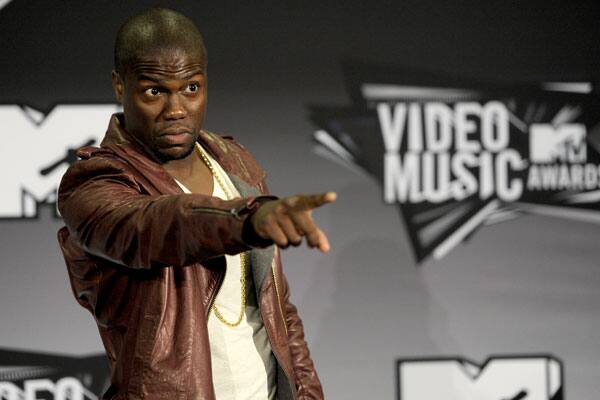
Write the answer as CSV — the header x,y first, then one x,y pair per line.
x,y
110,216
308,385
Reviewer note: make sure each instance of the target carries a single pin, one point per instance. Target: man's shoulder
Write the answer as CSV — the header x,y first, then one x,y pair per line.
x,y
233,155
96,160
93,162
225,141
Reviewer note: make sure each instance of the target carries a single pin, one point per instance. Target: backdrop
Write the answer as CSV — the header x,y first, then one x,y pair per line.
x,y
460,138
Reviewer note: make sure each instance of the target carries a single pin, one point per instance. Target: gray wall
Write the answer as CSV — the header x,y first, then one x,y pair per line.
x,y
530,285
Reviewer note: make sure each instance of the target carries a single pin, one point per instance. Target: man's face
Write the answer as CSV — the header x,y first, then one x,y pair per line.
x,y
164,101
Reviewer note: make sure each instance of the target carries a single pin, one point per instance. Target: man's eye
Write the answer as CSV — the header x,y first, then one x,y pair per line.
x,y
152,92
192,88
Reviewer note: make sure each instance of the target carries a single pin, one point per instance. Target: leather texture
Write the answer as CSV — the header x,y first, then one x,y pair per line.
x,y
147,260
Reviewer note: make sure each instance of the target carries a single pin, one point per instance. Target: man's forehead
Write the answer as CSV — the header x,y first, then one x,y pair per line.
x,y
169,61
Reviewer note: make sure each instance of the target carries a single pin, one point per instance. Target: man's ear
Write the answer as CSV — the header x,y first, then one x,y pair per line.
x,y
118,85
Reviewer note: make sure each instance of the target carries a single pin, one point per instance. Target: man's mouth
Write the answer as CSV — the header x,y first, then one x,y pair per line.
x,y
175,137
175,131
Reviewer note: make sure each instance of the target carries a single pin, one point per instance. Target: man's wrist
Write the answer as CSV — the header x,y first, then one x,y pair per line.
x,y
249,234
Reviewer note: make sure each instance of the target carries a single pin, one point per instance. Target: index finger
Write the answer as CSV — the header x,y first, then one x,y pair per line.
x,y
311,201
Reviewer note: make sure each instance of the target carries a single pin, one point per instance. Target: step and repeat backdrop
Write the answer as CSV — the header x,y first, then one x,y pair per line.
x,y
463,140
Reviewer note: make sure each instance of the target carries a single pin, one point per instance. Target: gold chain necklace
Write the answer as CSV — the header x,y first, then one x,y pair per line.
x,y
243,256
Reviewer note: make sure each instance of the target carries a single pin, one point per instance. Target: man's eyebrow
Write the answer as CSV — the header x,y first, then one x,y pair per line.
x,y
143,77
193,73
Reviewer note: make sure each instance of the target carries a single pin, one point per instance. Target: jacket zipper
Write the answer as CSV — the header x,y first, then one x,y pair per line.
x,y
278,298
212,210
279,361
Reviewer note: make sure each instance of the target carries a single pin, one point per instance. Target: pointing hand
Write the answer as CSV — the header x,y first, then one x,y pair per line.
x,y
286,221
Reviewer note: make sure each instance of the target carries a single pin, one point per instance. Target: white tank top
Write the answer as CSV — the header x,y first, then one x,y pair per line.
x,y
243,366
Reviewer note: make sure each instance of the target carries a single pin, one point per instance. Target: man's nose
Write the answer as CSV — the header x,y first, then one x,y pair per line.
x,y
174,108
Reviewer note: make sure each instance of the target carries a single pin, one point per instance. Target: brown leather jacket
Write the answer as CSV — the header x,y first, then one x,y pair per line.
x,y
147,260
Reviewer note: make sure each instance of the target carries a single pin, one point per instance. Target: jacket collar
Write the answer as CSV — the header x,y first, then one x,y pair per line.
x,y
139,156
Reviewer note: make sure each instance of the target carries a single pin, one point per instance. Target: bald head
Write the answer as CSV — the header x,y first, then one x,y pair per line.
x,y
155,31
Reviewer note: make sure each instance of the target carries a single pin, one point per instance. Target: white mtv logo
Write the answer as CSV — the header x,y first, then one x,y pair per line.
x,y
564,143
65,388
37,150
500,378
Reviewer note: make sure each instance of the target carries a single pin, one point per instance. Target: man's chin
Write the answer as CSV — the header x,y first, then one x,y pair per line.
x,y
174,152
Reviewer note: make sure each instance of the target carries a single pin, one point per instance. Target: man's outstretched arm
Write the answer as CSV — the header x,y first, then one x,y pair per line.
x,y
104,208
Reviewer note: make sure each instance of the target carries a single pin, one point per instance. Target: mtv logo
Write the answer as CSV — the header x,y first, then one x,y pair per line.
x,y
564,143
36,376
39,148
499,378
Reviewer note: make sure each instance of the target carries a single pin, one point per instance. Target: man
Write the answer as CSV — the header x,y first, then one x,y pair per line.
x,y
169,237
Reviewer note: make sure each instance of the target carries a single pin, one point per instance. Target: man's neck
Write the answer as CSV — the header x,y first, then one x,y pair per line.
x,y
192,173
183,168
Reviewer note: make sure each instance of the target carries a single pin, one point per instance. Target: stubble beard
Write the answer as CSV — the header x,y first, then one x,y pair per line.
x,y
165,157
